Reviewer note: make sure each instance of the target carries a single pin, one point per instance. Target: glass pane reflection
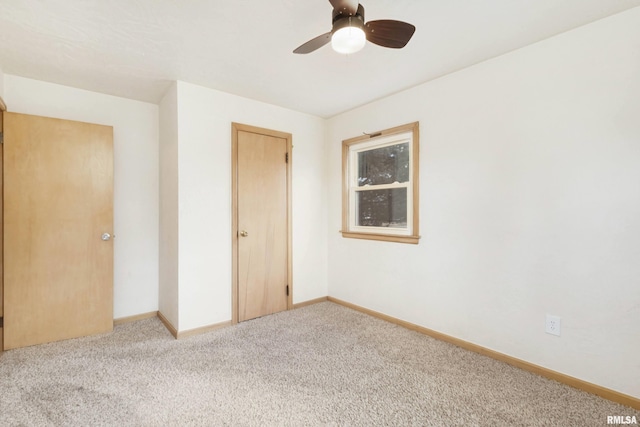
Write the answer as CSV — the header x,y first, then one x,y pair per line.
x,y
382,208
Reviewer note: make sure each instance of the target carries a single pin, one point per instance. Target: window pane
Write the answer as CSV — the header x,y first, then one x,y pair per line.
x,y
382,208
384,165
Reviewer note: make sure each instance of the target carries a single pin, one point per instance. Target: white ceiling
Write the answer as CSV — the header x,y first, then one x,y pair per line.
x,y
135,48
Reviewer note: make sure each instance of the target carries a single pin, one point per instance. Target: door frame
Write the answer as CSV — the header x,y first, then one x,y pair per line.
x,y
3,108
235,128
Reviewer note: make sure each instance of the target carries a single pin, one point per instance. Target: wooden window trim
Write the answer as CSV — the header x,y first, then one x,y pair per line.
x,y
415,175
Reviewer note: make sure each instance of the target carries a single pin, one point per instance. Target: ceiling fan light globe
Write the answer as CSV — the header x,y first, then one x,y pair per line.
x,y
348,40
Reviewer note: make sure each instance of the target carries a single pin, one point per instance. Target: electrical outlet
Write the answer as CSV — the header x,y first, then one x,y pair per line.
x,y
552,325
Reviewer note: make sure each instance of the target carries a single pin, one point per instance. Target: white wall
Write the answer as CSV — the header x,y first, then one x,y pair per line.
x,y
135,130
530,204
204,183
1,84
168,239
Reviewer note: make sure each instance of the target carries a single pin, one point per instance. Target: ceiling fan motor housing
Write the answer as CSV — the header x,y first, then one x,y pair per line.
x,y
341,20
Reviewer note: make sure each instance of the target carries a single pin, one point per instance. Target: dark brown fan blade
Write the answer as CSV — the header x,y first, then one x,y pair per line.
x,y
347,7
389,33
314,44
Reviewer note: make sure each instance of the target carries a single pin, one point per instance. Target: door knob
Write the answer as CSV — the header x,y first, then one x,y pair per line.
x,y
106,236
244,233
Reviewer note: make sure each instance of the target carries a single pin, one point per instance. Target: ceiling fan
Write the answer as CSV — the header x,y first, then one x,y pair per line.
x,y
350,32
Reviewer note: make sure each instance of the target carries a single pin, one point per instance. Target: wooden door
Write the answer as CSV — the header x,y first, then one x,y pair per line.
x,y
261,222
58,201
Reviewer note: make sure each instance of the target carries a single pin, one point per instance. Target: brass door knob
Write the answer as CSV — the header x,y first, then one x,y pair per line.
x,y
244,233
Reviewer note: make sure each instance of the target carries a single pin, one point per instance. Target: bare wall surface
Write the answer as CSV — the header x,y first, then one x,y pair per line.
x,y
135,137
530,204
168,237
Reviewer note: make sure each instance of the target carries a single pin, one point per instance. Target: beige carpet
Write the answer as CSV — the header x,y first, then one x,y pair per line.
x,y
319,365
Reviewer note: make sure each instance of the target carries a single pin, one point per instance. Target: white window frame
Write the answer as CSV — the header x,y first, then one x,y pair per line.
x,y
351,148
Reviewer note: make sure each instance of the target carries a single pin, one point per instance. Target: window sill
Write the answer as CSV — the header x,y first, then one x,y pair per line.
x,y
383,237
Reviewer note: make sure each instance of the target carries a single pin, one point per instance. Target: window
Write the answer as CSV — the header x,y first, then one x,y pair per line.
x,y
380,185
